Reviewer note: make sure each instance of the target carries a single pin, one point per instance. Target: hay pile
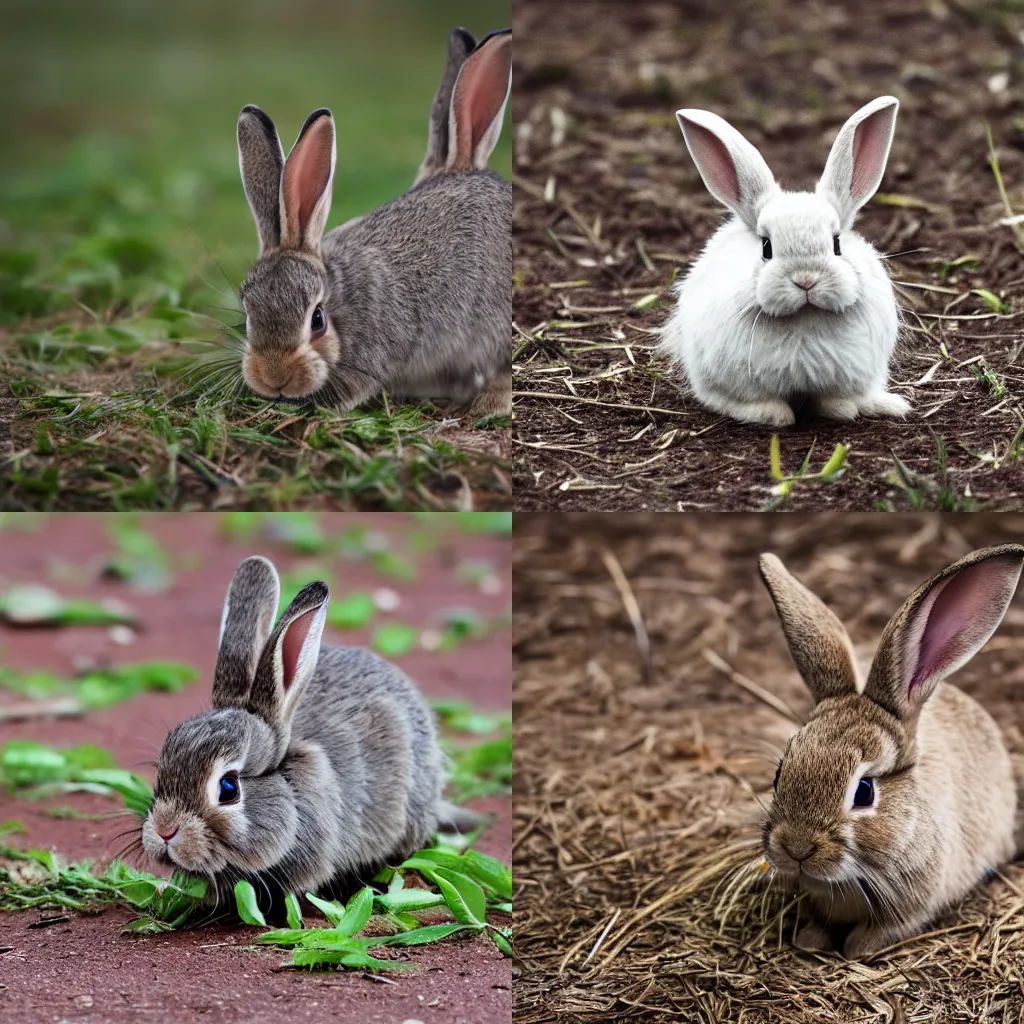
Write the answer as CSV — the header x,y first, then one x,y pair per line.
x,y
636,834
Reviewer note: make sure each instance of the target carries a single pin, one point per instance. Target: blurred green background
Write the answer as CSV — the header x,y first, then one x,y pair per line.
x,y
119,184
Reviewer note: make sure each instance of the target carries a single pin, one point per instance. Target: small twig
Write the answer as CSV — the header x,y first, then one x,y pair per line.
x,y
776,703
612,564
58,707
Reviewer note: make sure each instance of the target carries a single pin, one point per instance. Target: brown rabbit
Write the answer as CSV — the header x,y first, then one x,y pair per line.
x,y
896,797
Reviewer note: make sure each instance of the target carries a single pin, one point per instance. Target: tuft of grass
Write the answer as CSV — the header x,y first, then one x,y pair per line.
x,y
34,769
98,688
469,885
930,491
833,470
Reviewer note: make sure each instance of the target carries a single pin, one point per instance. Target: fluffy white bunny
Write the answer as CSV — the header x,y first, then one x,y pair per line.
x,y
787,304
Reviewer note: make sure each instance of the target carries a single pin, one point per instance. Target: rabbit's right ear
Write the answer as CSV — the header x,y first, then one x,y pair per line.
x,y
249,611
732,169
261,161
478,102
461,44
306,184
289,658
818,641
941,626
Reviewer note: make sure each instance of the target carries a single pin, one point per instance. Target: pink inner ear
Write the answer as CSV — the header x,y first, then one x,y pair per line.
x,y
714,162
306,176
479,93
291,644
870,142
964,612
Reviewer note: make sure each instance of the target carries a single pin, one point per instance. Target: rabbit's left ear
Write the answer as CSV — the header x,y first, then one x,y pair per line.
x,y
289,658
941,627
856,163
306,184
478,102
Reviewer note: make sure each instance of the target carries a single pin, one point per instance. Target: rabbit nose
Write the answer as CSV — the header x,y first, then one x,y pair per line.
x,y
167,836
799,851
805,281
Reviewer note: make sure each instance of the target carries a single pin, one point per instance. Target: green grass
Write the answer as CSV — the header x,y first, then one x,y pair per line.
x,y
124,234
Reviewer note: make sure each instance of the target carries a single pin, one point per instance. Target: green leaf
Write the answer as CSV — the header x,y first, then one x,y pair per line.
x,y
992,300
139,893
775,458
465,899
294,911
353,958
502,943
421,936
394,639
334,912
287,936
835,462
245,901
357,912
409,899
353,612
489,873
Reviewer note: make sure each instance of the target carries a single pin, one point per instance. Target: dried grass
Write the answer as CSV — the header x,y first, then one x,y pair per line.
x,y
640,894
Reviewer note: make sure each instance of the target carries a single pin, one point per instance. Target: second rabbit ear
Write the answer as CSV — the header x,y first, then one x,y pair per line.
x,y
478,103
306,184
461,43
857,160
260,159
732,169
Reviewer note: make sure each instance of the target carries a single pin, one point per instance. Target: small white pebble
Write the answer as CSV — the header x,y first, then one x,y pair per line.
x,y
491,584
121,635
430,639
411,1021
374,540
999,82
386,600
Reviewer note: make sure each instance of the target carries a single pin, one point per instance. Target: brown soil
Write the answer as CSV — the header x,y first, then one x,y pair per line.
x,y
85,970
627,789
601,423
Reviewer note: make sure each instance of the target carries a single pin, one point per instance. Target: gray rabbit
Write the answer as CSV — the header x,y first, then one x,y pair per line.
x,y
316,767
414,297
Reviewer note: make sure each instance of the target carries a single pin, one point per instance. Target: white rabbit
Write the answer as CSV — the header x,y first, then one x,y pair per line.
x,y
787,304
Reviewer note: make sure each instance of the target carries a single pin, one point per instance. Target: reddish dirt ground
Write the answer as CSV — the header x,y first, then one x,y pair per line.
x,y
609,208
85,970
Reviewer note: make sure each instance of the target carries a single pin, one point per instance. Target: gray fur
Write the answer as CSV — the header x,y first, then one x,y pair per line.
x,y
417,296
354,784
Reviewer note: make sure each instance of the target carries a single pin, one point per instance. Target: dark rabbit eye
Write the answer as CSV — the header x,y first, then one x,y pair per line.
x,y
766,248
778,772
229,791
318,324
835,245
865,795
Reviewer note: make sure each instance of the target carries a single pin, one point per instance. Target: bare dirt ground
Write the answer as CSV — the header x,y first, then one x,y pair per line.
x,y
84,971
632,794
609,208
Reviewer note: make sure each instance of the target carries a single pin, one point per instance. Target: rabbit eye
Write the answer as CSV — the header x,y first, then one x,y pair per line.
x,y
318,323
766,248
865,795
835,245
778,772
229,790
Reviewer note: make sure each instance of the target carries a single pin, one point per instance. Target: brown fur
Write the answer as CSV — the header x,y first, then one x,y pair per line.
x,y
944,793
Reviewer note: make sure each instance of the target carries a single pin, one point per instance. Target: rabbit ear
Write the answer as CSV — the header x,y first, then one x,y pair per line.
x,y
478,102
461,44
289,658
261,159
306,184
818,641
941,626
249,610
733,171
856,162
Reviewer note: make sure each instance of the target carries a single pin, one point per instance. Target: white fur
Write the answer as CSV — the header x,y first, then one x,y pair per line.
x,y
750,339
